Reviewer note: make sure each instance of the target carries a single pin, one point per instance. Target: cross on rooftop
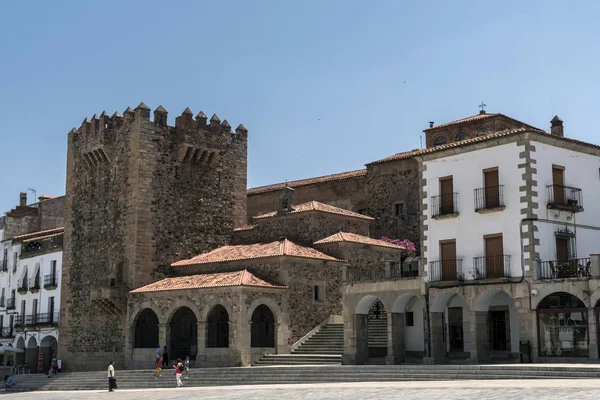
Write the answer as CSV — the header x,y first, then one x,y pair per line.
x,y
482,105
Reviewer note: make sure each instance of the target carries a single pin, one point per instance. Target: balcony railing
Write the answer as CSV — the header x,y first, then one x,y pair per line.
x,y
4,265
565,198
446,270
22,286
492,266
34,284
6,333
558,269
444,204
489,197
406,270
47,319
10,303
50,281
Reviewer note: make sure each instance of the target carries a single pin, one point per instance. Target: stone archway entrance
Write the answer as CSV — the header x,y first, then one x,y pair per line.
x,y
48,348
145,331
408,328
20,357
262,328
371,331
563,331
450,319
496,325
183,329
217,328
31,354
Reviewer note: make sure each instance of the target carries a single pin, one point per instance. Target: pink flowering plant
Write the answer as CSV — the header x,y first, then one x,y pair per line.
x,y
407,244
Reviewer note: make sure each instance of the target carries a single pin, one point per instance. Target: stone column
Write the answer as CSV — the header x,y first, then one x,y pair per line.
x,y
595,266
481,349
592,334
281,338
162,335
396,349
201,342
528,332
362,338
349,356
438,352
536,266
242,328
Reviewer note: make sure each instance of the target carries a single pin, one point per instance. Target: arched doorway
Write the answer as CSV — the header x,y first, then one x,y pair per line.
x,y
217,334
377,328
31,354
20,357
48,348
450,319
562,321
497,324
262,330
408,328
145,330
183,329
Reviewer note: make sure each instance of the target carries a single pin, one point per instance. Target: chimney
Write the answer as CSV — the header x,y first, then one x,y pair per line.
x,y
23,199
430,124
556,127
286,199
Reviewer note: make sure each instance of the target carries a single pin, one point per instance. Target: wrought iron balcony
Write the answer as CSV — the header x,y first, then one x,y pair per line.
x,y
10,303
4,265
446,270
50,281
47,319
406,270
19,322
564,198
444,205
34,284
573,268
492,266
22,286
489,198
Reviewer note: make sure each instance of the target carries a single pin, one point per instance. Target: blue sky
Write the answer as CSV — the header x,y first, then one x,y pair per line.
x,y
323,86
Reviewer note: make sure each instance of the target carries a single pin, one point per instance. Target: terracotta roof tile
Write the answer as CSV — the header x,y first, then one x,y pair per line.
x,y
319,207
38,234
278,248
467,119
42,237
309,181
491,136
355,238
204,281
245,228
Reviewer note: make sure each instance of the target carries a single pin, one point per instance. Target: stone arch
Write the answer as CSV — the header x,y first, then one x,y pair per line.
x,y
450,324
183,333
595,298
365,304
269,303
566,287
135,312
403,301
441,301
497,322
31,353
262,328
177,305
145,330
484,300
48,348
219,301
217,327
20,357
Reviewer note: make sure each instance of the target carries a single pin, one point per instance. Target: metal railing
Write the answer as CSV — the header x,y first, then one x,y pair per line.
x,y
492,266
50,281
446,270
444,204
406,270
4,265
34,284
565,198
489,197
573,268
22,286
45,319
10,303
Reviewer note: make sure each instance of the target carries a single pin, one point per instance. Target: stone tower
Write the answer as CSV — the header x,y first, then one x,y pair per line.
x,y
140,194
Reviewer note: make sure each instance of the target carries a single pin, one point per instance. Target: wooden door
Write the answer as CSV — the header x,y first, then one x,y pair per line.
x,y
494,257
455,331
562,249
492,188
558,182
447,193
448,251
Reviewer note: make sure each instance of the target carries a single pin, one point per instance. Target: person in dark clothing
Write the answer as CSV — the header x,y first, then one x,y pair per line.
x,y
165,357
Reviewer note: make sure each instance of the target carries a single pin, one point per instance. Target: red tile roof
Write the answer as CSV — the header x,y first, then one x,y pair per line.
x,y
467,119
39,234
491,136
42,237
278,248
309,181
355,238
245,228
319,207
204,281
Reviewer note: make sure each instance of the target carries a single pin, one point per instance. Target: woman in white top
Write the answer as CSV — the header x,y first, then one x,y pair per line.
x,y
111,376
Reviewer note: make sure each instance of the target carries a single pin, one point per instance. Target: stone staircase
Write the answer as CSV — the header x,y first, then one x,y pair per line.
x,y
143,379
377,330
326,346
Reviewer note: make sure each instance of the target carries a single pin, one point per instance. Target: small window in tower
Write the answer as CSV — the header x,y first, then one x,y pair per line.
x,y
362,211
319,293
410,319
440,140
398,209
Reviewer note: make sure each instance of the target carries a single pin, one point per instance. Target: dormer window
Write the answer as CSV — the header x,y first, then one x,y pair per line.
x,y
440,140
482,131
460,136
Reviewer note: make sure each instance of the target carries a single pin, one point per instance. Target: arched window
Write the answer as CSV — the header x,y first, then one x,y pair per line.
x,y
184,334
563,319
460,136
440,140
218,328
146,330
482,131
262,332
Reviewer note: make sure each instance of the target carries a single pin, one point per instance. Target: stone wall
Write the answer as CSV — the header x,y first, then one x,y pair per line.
x,y
144,194
52,213
349,194
47,214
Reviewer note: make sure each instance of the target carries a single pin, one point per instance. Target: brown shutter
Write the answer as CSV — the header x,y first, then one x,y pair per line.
x,y
447,193
448,251
492,188
558,182
494,257
562,249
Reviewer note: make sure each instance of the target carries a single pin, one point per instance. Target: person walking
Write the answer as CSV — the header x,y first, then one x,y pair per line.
x,y
165,356
178,371
111,377
186,368
159,353
158,370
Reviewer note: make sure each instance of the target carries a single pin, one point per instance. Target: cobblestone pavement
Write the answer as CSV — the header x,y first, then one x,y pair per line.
x,y
463,390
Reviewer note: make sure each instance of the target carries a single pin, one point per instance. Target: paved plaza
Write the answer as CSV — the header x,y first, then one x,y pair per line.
x,y
449,390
